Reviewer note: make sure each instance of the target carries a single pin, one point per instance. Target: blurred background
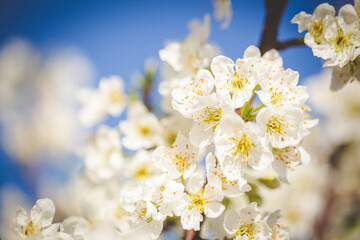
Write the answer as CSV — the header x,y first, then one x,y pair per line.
x,y
51,49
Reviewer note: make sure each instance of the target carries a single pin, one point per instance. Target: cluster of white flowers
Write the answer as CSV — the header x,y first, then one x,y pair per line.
x,y
37,103
239,117
336,39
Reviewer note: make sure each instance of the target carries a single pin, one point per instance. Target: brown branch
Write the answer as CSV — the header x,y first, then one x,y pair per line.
x,y
274,12
323,222
290,43
192,235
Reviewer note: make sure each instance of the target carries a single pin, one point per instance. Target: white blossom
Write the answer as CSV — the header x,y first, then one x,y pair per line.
x,y
281,90
282,126
141,129
179,159
109,98
218,177
38,222
103,154
199,200
241,143
248,225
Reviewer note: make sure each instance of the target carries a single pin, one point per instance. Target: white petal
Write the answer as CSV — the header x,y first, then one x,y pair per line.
x,y
43,212
214,209
231,221
252,51
348,12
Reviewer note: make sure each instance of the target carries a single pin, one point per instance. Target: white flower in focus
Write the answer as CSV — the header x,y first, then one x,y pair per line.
x,y
141,129
207,121
349,73
223,11
179,159
194,94
200,200
109,98
240,142
151,203
278,231
344,40
216,176
38,222
288,158
235,86
283,126
103,154
280,90
247,225
316,24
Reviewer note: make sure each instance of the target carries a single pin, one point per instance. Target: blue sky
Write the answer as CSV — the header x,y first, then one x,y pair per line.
x,y
118,36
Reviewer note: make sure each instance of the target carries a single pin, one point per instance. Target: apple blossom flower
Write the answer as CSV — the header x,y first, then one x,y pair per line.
x,y
235,86
316,24
248,225
281,90
38,222
199,200
141,129
103,156
194,94
278,231
151,203
109,98
349,73
282,126
288,158
216,176
177,160
344,42
206,121
141,166
240,142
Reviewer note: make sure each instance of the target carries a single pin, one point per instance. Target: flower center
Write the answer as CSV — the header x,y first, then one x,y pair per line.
x,y
316,31
237,83
276,125
30,229
247,230
243,145
142,172
198,201
212,116
116,97
341,40
181,161
276,98
144,130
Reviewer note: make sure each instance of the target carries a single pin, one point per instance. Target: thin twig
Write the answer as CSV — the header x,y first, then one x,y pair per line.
x,y
290,43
